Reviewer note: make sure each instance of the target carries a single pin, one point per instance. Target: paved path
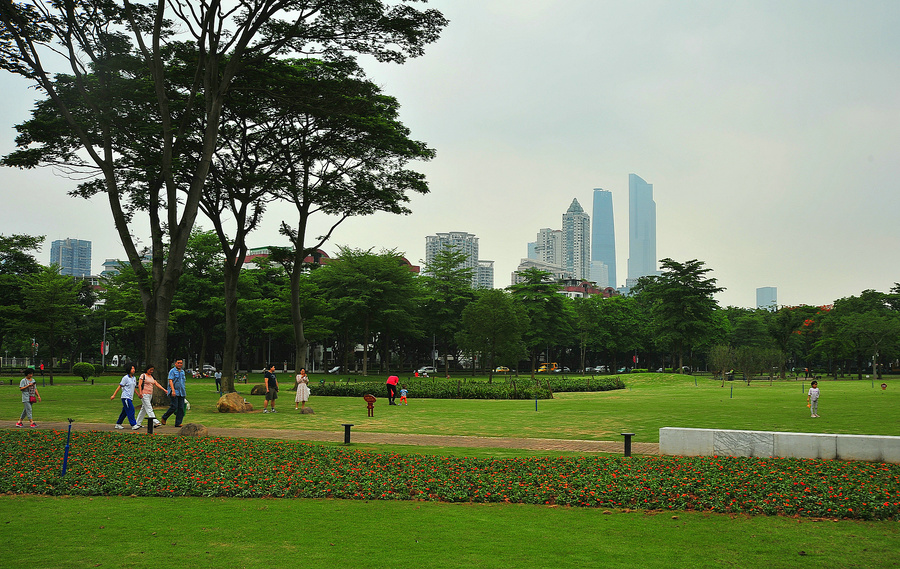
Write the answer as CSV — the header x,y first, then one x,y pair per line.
x,y
381,438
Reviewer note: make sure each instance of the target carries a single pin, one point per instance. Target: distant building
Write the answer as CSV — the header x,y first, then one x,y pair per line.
x,y
317,257
576,241
111,268
467,244
603,240
557,273
641,230
73,257
548,247
574,288
767,297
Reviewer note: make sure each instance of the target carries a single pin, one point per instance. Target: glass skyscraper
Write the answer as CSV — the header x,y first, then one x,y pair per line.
x,y
641,229
73,257
603,240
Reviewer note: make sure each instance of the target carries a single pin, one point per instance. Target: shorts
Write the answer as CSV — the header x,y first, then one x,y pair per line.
x,y
271,395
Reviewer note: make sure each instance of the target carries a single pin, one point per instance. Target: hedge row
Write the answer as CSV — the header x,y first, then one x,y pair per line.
x,y
522,388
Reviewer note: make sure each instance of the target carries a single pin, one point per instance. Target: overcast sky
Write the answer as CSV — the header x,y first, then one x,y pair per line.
x,y
769,130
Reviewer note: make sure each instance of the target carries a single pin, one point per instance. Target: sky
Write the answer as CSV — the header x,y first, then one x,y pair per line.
x,y
770,131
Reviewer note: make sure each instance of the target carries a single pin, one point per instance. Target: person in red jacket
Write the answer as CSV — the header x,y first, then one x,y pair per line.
x,y
392,382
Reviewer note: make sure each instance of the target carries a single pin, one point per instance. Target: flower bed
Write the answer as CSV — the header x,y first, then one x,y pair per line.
x,y
116,464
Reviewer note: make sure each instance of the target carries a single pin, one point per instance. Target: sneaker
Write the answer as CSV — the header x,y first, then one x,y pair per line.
x,y
118,426
32,425
156,423
265,410
19,424
274,411
136,427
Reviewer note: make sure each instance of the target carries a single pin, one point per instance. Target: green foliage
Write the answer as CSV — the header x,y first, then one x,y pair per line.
x,y
509,388
492,326
84,370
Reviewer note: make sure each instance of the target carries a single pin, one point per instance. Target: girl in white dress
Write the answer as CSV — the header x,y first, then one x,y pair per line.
x,y
302,389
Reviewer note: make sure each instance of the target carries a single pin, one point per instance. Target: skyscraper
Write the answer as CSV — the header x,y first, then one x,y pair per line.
x,y
603,241
576,241
548,247
466,243
73,257
767,297
641,229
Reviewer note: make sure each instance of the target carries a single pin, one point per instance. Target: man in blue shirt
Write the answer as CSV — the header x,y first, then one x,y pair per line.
x,y
176,393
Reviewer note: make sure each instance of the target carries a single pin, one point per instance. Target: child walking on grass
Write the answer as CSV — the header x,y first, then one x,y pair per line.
x,y
812,399
403,392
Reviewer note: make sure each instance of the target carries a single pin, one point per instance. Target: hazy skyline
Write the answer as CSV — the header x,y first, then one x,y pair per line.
x,y
769,130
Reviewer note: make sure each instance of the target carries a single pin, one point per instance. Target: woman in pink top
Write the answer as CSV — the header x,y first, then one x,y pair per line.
x,y
145,388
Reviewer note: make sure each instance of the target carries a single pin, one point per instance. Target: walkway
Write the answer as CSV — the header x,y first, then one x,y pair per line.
x,y
383,438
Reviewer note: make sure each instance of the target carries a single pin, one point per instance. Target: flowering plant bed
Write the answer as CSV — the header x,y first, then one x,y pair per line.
x,y
116,464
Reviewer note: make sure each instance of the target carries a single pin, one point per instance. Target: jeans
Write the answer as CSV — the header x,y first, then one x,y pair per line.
x,y
176,407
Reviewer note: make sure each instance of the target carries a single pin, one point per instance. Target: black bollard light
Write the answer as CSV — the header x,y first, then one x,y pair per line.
x,y
347,433
628,443
66,455
150,421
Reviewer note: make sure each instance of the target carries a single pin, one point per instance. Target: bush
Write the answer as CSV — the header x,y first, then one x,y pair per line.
x,y
510,388
83,370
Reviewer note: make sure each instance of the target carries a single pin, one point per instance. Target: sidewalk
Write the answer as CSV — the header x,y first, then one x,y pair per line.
x,y
616,447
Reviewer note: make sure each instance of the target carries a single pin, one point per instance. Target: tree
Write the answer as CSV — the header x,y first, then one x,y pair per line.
x,y
624,327
370,294
492,325
447,287
52,307
721,359
548,313
17,264
681,303
140,105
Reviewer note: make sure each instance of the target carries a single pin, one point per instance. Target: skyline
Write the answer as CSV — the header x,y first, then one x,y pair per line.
x,y
769,130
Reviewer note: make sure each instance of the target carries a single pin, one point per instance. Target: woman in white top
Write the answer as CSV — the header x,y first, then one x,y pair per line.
x,y
127,385
302,389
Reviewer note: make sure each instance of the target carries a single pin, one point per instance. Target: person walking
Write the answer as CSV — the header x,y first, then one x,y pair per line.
x,y
302,389
177,392
127,385
146,383
403,393
271,388
812,399
391,383
30,395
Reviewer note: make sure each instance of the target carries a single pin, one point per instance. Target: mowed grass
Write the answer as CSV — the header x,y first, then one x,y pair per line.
x,y
197,532
149,532
650,402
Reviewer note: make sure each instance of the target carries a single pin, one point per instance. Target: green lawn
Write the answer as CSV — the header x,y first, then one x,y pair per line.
x,y
650,401
147,532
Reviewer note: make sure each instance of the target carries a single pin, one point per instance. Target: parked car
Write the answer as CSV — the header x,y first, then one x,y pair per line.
x,y
426,369
502,369
548,367
561,370
208,368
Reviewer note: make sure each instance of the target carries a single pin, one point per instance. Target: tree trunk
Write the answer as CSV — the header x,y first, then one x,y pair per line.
x,y
232,338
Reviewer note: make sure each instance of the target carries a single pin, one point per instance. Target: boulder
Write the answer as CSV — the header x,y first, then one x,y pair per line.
x,y
193,430
258,389
307,411
233,403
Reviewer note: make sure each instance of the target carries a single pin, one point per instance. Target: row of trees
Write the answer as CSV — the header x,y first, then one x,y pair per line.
x,y
372,300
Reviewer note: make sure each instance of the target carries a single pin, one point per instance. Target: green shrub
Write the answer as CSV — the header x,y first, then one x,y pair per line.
x,y
84,370
508,388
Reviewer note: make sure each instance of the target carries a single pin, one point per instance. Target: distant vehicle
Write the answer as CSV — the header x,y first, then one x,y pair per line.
x,y
502,369
561,370
208,368
427,369
548,367
623,369
335,369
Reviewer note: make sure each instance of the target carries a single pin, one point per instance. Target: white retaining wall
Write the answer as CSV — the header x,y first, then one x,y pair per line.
x,y
710,442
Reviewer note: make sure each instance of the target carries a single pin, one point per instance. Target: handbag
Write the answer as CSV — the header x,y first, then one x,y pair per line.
x,y
32,399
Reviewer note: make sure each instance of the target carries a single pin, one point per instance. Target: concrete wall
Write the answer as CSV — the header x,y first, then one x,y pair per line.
x,y
709,442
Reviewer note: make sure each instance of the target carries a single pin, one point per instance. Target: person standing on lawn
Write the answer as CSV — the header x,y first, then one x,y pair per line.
x,y
28,387
218,377
177,393
812,399
271,388
146,384
127,385
391,383
302,389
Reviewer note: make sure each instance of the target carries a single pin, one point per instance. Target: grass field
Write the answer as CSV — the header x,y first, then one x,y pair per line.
x,y
650,402
147,532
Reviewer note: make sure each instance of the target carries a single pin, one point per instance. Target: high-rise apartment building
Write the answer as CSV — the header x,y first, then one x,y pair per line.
x,y
641,230
576,241
767,297
548,247
72,255
603,241
467,244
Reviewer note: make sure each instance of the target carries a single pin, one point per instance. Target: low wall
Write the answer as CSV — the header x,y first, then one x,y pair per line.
x,y
716,442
